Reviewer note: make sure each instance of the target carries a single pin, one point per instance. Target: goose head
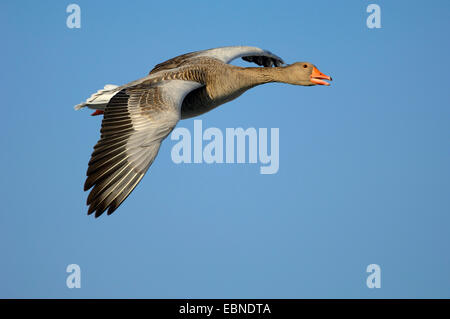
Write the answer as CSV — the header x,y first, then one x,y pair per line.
x,y
306,74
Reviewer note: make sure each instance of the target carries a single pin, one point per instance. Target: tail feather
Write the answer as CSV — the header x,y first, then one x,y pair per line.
x,y
100,99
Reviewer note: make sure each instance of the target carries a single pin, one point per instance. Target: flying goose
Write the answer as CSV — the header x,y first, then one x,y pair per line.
x,y
139,115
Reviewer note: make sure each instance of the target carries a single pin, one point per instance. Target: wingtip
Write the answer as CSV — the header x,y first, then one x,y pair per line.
x,y
90,210
98,213
95,212
87,185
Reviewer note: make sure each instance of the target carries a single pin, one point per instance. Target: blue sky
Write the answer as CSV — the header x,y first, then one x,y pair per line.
x,y
364,164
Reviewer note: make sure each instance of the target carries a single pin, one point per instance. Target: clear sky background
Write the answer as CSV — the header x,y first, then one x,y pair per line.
x,y
364,164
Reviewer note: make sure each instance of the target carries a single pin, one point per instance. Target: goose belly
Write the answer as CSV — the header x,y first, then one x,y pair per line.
x,y
201,101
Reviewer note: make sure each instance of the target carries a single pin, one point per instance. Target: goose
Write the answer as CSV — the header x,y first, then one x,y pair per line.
x,y
139,115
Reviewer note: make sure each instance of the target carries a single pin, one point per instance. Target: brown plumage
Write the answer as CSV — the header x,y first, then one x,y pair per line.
x,y
138,116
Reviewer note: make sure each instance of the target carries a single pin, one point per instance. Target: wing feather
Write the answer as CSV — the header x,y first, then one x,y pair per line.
x,y
226,55
135,122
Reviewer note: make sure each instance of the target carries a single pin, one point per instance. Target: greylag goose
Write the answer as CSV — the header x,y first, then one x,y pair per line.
x,y
139,115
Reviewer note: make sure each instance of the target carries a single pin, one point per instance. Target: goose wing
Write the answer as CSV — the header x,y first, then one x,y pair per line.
x,y
226,55
251,54
135,122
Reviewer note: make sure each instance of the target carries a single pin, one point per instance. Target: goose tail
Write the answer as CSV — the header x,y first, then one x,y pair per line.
x,y
100,99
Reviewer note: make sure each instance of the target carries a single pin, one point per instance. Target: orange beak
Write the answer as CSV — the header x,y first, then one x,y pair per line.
x,y
316,77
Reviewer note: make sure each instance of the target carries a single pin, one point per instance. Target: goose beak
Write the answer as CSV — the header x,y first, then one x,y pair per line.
x,y
316,77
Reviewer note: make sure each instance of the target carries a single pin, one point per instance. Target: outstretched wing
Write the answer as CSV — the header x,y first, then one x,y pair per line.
x,y
135,122
226,55
250,54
